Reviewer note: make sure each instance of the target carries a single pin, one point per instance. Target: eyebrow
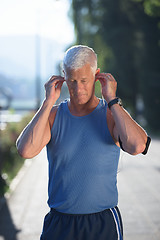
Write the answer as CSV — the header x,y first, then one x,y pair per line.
x,y
83,78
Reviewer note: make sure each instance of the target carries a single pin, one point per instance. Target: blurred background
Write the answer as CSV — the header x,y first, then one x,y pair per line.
x,y
33,38
34,35
126,36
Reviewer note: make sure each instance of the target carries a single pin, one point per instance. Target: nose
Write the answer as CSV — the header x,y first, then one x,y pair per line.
x,y
79,87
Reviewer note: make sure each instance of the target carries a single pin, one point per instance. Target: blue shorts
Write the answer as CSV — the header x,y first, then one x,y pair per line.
x,y
105,225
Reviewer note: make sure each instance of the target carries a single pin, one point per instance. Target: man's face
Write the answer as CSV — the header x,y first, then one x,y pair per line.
x,y
81,84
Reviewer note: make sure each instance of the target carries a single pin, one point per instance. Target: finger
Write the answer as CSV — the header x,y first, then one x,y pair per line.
x,y
101,77
59,84
102,81
58,87
53,81
105,75
56,78
98,76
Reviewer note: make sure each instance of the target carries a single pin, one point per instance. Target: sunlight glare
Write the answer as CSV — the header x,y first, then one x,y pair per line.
x,y
47,18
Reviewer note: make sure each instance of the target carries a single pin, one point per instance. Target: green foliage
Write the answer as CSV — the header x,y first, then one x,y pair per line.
x,y
126,37
10,161
151,7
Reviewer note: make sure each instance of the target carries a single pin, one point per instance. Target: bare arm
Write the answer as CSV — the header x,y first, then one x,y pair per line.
x,y
133,136
37,133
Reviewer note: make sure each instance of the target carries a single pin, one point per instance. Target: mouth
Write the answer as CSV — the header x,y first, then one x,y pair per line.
x,y
81,96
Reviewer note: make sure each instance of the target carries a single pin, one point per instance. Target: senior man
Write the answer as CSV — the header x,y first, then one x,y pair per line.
x,y
83,136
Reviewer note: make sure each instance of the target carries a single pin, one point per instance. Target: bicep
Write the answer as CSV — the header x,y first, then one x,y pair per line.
x,y
47,133
49,125
112,128
45,139
116,136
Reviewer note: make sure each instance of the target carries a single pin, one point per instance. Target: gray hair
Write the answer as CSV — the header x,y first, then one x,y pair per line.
x,y
79,55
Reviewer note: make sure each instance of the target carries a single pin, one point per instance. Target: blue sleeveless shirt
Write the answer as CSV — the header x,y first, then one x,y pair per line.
x,y
83,161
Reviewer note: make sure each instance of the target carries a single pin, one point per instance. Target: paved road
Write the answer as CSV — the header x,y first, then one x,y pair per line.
x,y
139,194
21,217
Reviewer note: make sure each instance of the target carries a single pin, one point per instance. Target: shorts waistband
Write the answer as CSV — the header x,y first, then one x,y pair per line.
x,y
53,210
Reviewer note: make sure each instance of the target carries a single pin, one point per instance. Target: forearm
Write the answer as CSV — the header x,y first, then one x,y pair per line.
x,y
32,137
133,137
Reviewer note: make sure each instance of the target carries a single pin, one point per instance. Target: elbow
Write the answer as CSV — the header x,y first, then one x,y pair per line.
x,y
24,154
19,149
142,146
138,148
22,151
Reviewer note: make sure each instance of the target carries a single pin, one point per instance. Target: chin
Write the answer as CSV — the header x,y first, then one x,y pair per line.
x,y
82,99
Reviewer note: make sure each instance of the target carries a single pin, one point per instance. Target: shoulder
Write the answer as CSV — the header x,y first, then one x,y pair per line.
x,y
54,112
53,115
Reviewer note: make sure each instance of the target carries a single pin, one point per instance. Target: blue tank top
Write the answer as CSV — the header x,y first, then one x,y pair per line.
x,y
83,161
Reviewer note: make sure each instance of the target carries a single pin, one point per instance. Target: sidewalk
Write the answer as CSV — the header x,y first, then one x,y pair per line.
x,y
21,218
139,194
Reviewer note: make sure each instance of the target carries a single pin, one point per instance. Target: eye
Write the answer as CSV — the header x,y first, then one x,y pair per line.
x,y
83,80
71,81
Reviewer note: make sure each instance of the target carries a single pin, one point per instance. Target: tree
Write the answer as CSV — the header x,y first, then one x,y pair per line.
x,y
126,41
150,71
151,7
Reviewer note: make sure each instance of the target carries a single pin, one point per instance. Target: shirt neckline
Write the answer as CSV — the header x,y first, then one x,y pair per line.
x,y
80,117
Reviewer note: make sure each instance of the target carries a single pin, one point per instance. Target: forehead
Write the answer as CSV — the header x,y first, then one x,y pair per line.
x,y
83,71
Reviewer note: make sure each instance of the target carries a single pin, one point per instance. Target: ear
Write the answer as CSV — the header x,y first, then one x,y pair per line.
x,y
97,72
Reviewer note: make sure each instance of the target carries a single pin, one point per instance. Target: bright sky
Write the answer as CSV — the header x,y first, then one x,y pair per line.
x,y
47,17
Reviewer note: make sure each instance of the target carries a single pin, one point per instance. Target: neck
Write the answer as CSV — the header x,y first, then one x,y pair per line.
x,y
83,109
